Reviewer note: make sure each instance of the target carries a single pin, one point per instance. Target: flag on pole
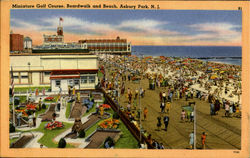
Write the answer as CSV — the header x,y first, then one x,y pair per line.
x,y
12,81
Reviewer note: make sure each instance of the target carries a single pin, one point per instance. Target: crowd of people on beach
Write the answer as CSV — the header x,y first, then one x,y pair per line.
x,y
217,83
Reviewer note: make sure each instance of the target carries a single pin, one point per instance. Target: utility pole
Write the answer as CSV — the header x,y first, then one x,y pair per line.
x,y
195,126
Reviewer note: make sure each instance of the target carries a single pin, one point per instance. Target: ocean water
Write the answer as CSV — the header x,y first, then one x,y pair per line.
x,y
193,51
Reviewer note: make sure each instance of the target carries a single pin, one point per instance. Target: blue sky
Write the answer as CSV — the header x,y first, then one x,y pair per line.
x,y
140,27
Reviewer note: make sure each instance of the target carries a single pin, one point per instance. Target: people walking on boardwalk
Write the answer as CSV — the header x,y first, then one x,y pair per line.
x,y
149,139
192,116
155,144
160,96
166,121
159,123
162,106
145,113
191,140
164,96
227,108
128,106
161,146
136,93
168,105
212,108
203,140
183,115
142,92
230,110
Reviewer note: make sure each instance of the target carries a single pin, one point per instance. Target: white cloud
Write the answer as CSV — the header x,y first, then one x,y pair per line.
x,y
217,32
142,24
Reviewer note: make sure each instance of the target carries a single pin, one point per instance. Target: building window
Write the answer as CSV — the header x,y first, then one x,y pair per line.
x,y
58,83
76,82
47,73
91,79
24,77
70,82
84,79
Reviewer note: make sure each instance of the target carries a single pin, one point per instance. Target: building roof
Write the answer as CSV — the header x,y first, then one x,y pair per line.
x,y
27,39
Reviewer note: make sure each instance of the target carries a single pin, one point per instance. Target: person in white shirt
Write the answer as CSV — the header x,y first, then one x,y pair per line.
x,y
30,120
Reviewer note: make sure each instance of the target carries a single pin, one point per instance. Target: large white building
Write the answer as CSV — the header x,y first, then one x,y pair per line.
x,y
79,71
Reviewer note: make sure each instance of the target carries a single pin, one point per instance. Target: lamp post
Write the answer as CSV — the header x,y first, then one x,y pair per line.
x,y
140,100
29,74
194,126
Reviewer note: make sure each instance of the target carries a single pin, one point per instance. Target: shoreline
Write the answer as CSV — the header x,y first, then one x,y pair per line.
x,y
196,58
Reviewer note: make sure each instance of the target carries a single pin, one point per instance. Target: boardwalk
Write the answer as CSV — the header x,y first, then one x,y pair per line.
x,y
222,133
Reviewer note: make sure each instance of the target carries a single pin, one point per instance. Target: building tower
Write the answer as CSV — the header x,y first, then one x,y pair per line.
x,y
60,28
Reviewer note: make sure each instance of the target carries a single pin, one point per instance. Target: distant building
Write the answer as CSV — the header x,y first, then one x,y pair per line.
x,y
16,43
55,44
112,46
55,40
56,71
27,43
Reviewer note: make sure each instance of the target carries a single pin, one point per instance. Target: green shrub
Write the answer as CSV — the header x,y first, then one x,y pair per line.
x,y
62,143
43,106
82,133
17,101
12,128
116,116
110,141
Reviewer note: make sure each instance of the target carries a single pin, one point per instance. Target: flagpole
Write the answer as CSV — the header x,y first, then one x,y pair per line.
x,y
13,96
13,107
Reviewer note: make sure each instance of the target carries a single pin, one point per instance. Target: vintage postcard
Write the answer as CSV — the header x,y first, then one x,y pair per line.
x,y
124,79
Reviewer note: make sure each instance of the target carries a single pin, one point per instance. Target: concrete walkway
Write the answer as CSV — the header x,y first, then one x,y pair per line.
x,y
34,142
27,128
79,141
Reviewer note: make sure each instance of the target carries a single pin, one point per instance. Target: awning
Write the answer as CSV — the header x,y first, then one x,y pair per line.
x,y
63,77
72,71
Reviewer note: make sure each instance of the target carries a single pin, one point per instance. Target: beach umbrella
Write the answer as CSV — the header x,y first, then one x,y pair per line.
x,y
222,72
214,77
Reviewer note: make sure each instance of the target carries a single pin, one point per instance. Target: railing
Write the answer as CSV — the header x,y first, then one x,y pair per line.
x,y
132,128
